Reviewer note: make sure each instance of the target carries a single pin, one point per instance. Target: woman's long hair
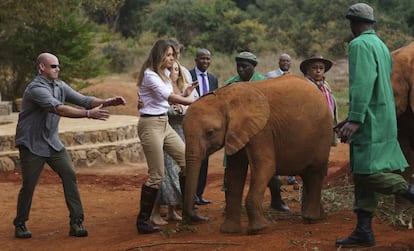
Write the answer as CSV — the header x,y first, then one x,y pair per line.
x,y
155,60
182,81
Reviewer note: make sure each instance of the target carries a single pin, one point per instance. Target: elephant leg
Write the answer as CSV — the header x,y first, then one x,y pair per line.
x,y
406,140
312,208
235,177
262,170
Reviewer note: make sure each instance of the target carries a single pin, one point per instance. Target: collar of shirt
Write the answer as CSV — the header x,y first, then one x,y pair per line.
x,y
167,72
44,80
198,72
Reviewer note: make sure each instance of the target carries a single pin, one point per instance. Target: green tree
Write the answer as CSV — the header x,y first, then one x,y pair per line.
x,y
26,32
183,19
237,33
131,17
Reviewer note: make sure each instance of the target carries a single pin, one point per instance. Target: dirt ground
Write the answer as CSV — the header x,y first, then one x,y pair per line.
x,y
111,196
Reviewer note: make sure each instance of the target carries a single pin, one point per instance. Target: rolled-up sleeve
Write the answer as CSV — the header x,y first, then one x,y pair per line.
x,y
76,98
42,97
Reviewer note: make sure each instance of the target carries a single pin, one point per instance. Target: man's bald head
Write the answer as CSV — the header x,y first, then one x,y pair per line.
x,y
284,62
45,57
48,65
284,56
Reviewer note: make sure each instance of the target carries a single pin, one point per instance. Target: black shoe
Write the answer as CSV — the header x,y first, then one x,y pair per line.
x,y
202,201
281,207
146,227
292,182
21,232
409,194
77,229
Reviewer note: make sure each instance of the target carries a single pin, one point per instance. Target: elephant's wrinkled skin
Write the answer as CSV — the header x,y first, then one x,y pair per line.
x,y
280,125
402,80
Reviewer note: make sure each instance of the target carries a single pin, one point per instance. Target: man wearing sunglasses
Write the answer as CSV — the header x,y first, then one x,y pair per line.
x,y
37,138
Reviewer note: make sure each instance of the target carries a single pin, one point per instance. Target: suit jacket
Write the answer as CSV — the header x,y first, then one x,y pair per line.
x,y
212,81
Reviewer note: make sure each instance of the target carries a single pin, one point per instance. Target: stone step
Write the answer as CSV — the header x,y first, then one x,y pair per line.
x,y
5,108
91,143
83,132
90,155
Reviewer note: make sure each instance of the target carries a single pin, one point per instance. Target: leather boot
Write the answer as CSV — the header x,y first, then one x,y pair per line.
x,y
21,231
409,194
195,217
77,229
276,200
362,235
148,196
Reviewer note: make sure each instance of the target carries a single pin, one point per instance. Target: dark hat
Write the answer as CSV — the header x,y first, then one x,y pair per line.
x,y
361,12
247,56
315,58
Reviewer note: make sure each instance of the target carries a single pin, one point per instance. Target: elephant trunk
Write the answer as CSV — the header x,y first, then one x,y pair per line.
x,y
188,188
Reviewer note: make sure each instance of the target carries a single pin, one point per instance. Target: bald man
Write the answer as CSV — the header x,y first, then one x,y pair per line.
x,y
284,66
37,139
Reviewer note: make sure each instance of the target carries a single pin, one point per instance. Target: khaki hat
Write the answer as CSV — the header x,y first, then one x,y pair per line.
x,y
315,58
361,12
247,56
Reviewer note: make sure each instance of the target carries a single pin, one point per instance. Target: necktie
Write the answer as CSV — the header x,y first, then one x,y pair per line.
x,y
205,86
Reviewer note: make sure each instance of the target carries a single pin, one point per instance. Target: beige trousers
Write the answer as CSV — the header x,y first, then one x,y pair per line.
x,y
158,136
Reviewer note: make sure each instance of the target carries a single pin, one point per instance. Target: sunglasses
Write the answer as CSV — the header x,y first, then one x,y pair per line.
x,y
53,66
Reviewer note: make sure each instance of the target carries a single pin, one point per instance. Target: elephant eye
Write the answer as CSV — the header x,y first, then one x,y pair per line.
x,y
210,133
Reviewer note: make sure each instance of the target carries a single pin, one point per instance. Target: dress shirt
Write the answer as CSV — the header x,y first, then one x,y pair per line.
x,y
154,93
200,81
37,127
275,73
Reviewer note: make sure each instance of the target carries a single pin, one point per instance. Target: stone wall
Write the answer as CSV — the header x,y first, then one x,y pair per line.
x,y
5,108
88,148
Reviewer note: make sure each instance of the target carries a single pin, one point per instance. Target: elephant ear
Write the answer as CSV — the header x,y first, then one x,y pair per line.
x,y
247,114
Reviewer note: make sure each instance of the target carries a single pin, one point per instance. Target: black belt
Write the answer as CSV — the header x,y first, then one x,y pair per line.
x,y
153,115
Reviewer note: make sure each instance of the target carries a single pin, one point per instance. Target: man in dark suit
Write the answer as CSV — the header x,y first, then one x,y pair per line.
x,y
207,83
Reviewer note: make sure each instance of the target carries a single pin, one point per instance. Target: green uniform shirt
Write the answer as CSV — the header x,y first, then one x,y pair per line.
x,y
374,147
256,76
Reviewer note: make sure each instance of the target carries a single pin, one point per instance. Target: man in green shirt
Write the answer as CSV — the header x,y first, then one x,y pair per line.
x,y
371,127
246,63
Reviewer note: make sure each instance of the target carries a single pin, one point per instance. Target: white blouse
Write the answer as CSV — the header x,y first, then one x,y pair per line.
x,y
154,93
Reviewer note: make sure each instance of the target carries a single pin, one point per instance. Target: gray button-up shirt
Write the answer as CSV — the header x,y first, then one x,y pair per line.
x,y
37,127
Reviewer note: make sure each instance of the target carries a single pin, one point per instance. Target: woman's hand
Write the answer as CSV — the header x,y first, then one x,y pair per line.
x,y
190,88
178,108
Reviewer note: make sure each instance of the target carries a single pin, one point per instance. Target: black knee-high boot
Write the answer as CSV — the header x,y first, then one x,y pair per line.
x,y
362,235
194,217
276,200
148,196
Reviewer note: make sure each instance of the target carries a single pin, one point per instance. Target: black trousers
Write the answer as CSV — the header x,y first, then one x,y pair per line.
x,y
202,178
32,165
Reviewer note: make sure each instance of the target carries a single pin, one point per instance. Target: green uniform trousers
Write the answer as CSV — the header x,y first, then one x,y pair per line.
x,y
32,166
368,188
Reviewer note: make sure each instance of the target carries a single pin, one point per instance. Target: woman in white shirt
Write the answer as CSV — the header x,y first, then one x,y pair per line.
x,y
156,135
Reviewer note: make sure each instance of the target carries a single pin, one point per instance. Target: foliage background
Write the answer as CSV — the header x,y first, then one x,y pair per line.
x,y
97,37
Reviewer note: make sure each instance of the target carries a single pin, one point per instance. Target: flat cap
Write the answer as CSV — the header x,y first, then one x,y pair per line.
x,y
247,56
361,12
